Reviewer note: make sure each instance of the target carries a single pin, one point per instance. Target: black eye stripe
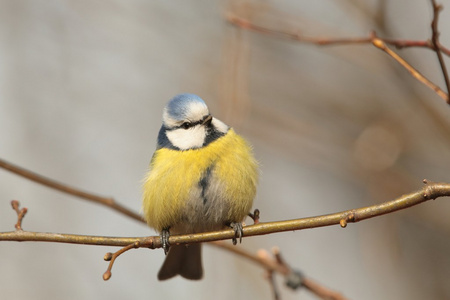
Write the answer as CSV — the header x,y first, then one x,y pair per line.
x,y
187,125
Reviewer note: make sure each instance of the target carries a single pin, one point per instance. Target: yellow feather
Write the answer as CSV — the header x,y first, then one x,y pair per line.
x,y
173,174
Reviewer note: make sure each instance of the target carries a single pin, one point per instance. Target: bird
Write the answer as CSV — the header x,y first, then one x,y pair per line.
x,y
202,177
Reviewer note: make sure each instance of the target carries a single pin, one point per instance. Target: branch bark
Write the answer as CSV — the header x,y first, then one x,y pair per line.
x,y
108,201
428,192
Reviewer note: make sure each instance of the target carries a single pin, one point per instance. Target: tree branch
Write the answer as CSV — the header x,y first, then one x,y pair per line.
x,y
378,42
278,265
110,202
416,74
293,279
428,192
436,45
111,257
30,236
329,41
20,213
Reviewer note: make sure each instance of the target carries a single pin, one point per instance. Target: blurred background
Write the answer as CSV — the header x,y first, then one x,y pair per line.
x,y
82,88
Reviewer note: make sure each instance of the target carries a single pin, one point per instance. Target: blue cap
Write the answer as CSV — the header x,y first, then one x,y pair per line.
x,y
178,107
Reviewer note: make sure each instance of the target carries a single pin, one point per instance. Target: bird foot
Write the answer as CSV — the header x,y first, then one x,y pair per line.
x,y
238,232
165,234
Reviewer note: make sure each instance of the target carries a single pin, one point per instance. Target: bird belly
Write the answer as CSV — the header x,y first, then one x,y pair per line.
x,y
201,189
207,207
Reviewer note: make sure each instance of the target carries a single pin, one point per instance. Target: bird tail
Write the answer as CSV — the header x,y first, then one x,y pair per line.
x,y
185,260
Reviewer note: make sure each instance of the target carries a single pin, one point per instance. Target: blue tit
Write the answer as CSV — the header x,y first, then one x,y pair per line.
x,y
202,177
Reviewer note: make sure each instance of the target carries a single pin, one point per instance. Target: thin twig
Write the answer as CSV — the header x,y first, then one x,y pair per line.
x,y
428,192
321,291
416,74
277,264
378,42
20,213
280,260
111,257
273,285
110,202
435,40
329,41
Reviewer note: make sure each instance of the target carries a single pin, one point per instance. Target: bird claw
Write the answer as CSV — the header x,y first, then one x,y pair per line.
x,y
238,232
254,216
165,234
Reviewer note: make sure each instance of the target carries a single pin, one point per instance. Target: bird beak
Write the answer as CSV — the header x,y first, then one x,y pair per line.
x,y
207,120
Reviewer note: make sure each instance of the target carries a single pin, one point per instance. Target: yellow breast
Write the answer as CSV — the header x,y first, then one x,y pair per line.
x,y
174,174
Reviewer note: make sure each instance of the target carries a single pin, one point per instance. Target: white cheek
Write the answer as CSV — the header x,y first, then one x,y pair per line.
x,y
187,138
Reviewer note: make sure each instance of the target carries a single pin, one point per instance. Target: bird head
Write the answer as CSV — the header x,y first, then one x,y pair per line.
x,y
187,124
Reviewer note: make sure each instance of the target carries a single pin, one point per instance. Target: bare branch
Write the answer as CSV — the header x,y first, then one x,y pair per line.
x,y
378,42
321,291
20,213
30,236
110,202
435,41
270,277
276,264
246,24
329,41
111,257
416,74
428,192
